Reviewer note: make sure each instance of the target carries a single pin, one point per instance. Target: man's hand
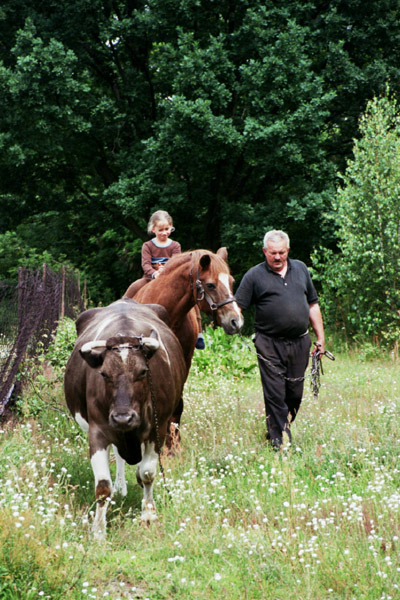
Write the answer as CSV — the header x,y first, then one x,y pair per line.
x,y
317,325
318,347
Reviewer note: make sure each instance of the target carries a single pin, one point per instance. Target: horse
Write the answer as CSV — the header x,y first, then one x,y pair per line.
x,y
194,277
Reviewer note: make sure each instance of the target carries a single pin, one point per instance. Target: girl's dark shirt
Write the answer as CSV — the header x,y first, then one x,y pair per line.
x,y
282,303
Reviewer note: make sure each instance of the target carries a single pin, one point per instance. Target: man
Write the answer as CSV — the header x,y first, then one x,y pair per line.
x,y
285,301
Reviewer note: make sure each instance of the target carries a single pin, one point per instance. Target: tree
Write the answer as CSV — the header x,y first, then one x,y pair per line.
x,y
361,283
234,116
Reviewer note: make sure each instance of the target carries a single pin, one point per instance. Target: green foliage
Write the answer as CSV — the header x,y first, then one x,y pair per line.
x,y
62,345
227,355
233,116
16,251
45,372
361,283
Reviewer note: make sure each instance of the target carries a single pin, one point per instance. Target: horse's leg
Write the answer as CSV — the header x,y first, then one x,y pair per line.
x,y
173,436
187,335
135,287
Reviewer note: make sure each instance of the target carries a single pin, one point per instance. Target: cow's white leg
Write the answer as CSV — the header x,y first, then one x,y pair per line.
x,y
145,474
102,477
120,481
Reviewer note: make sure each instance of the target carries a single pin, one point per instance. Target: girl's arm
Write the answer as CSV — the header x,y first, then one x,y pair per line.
x,y
148,269
176,248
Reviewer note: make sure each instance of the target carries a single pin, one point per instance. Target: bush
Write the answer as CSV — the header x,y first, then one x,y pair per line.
x,y
233,356
45,371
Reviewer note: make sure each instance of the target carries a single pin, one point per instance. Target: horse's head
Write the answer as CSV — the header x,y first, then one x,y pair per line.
x,y
212,283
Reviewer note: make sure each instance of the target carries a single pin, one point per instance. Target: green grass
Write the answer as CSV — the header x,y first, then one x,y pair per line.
x,y
320,521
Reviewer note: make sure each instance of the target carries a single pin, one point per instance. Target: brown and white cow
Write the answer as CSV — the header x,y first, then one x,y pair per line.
x,y
122,383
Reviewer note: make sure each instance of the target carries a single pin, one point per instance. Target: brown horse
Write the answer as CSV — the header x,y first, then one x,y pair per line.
x,y
197,277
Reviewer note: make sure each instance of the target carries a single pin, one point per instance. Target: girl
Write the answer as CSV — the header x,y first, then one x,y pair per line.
x,y
156,252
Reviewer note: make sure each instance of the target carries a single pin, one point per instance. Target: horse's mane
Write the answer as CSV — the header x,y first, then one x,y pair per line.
x,y
193,256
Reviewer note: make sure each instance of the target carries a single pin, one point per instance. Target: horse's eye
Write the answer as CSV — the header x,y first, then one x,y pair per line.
x,y
104,375
210,286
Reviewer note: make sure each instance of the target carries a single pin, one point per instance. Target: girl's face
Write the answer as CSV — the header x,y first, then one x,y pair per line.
x,y
162,230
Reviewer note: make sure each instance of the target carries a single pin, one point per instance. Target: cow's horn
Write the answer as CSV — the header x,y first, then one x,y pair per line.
x,y
89,346
151,343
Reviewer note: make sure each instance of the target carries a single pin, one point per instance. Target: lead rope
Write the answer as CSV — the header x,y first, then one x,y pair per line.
x,y
317,370
153,403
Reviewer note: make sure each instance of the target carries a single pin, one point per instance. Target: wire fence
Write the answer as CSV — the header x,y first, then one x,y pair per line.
x,y
29,314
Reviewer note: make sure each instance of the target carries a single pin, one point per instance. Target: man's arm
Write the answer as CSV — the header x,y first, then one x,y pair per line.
x,y
318,326
244,293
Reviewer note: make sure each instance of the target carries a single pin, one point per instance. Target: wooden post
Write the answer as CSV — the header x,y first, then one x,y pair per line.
x,y
62,293
20,298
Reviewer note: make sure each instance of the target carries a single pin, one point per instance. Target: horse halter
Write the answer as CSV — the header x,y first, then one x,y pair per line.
x,y
200,294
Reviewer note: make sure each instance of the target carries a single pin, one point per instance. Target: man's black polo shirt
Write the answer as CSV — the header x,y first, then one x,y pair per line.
x,y
282,304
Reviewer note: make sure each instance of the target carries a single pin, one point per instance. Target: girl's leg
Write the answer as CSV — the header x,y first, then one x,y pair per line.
x,y
200,343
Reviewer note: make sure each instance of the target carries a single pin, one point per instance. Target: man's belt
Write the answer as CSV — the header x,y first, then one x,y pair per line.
x,y
277,337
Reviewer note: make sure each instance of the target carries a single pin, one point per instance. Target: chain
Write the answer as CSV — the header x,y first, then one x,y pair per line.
x,y
271,365
316,368
315,373
153,402
275,370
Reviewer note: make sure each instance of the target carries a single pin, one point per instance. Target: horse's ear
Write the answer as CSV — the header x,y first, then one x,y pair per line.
x,y
223,253
205,261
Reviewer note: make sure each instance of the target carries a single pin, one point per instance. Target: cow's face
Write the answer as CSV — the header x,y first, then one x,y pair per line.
x,y
122,364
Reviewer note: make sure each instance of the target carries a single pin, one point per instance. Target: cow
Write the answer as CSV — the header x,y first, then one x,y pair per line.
x,y
122,383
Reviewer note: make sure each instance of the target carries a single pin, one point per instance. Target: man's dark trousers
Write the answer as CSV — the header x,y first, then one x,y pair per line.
x,y
285,358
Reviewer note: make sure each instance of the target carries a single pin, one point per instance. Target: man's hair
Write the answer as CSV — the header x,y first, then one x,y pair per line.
x,y
159,215
276,235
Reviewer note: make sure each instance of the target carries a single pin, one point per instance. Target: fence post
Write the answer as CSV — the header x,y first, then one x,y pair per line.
x,y
62,293
20,299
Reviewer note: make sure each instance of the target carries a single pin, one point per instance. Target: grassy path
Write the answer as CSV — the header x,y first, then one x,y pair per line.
x,y
319,522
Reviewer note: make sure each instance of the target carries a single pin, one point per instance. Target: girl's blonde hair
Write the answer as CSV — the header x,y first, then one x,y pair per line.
x,y
159,215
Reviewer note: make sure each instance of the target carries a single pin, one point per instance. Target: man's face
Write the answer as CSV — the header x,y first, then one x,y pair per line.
x,y
276,254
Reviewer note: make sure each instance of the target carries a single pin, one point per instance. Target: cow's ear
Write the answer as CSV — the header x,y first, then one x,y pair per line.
x,y
93,354
151,344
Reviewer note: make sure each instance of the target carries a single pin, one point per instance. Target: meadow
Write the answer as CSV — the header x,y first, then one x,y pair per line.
x,y
319,521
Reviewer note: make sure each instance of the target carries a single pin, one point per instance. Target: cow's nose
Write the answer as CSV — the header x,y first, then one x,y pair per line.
x,y
127,419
